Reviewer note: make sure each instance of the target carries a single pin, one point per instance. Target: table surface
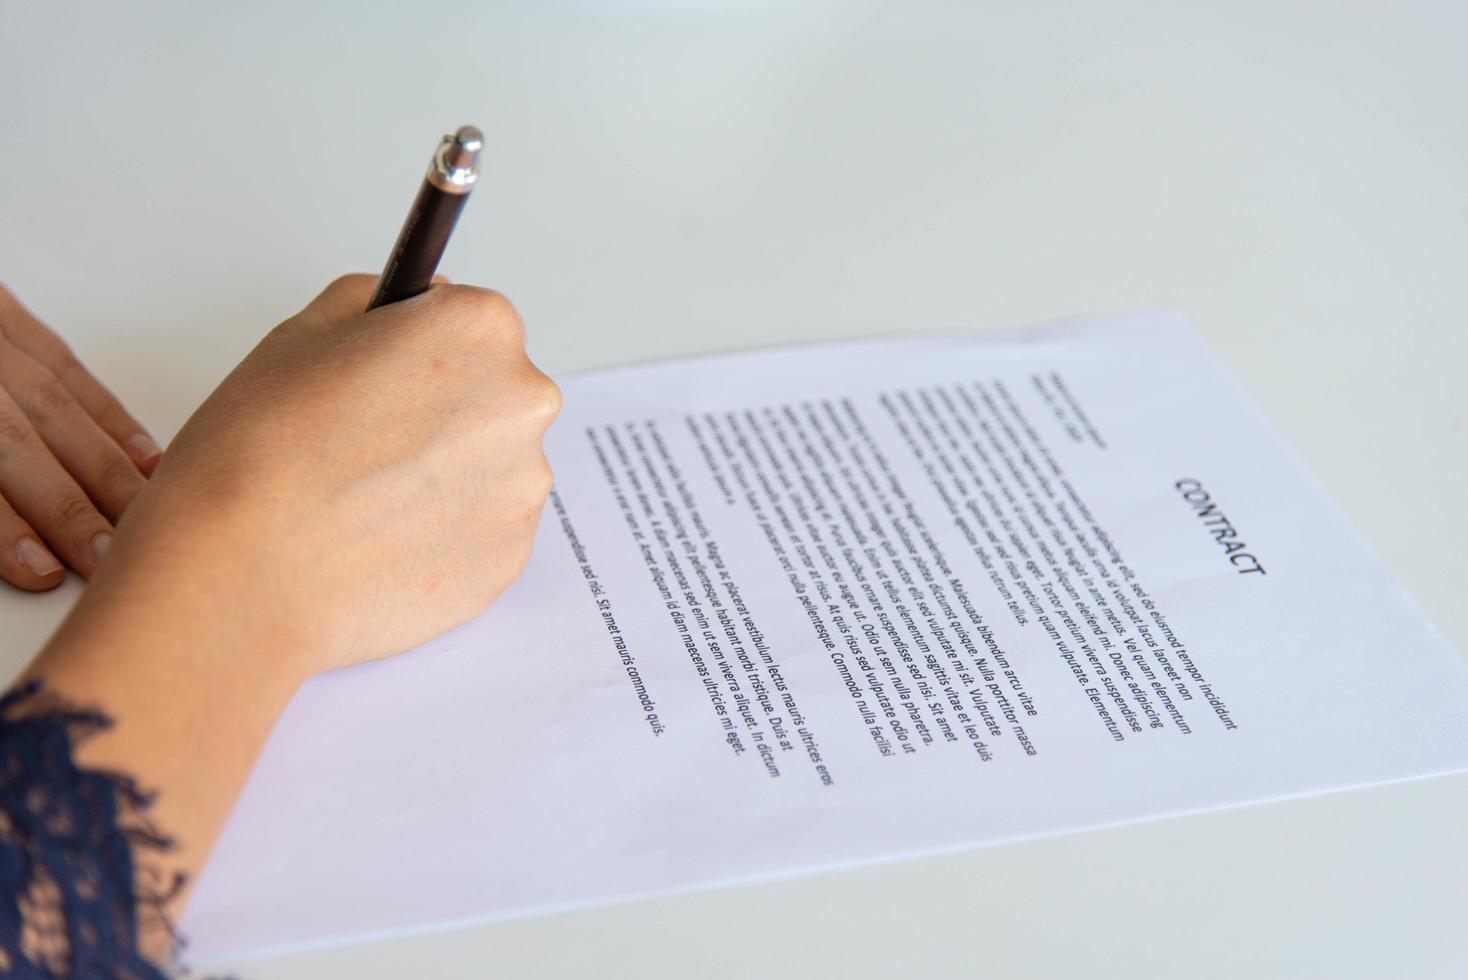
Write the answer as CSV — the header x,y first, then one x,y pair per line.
x,y
674,177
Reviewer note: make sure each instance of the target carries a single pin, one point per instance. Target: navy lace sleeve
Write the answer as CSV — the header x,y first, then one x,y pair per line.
x,y
75,900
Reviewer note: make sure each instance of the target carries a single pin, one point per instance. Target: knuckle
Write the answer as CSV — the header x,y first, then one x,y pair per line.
x,y
118,473
543,400
47,402
15,432
67,366
112,417
487,311
543,479
74,509
51,397
53,350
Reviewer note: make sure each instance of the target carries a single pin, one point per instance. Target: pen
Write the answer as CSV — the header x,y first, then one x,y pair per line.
x,y
425,234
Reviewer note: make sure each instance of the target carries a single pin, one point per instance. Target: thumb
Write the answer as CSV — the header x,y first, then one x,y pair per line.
x,y
343,299
346,297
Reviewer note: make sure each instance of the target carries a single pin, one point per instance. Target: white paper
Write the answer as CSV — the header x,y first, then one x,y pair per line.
x,y
522,763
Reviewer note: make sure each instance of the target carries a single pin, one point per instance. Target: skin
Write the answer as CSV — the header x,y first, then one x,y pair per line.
x,y
360,483
71,458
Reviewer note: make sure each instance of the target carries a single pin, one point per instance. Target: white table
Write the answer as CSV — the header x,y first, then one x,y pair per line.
x,y
670,177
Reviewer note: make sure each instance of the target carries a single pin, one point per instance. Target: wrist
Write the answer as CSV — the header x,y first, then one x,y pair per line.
x,y
164,644
201,595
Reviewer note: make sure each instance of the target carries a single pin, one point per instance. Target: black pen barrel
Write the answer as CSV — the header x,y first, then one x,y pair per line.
x,y
420,245
425,233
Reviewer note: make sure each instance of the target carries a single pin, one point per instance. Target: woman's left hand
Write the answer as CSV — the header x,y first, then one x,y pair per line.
x,y
71,457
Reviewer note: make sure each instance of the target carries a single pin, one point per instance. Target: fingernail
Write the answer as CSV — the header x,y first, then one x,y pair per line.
x,y
142,448
34,556
100,543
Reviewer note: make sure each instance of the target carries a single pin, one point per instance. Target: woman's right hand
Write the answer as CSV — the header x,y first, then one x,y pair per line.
x,y
359,483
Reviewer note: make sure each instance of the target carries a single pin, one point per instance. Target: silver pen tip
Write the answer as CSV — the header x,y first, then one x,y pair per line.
x,y
469,137
467,142
455,165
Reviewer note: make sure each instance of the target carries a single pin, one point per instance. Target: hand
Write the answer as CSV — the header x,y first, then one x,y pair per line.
x,y
71,458
360,483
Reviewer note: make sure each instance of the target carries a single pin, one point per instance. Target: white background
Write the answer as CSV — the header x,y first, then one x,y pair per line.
x,y
667,178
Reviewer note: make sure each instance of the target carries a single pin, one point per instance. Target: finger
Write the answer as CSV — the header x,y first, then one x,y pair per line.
x,y
25,562
344,298
98,463
481,312
46,496
29,334
348,296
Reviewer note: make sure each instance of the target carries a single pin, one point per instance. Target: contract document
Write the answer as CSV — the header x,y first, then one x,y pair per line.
x,y
807,608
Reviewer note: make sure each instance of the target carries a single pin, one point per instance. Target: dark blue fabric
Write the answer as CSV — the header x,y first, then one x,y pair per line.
x,y
72,898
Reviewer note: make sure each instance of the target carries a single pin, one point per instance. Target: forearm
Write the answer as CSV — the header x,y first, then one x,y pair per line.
x,y
359,483
165,642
